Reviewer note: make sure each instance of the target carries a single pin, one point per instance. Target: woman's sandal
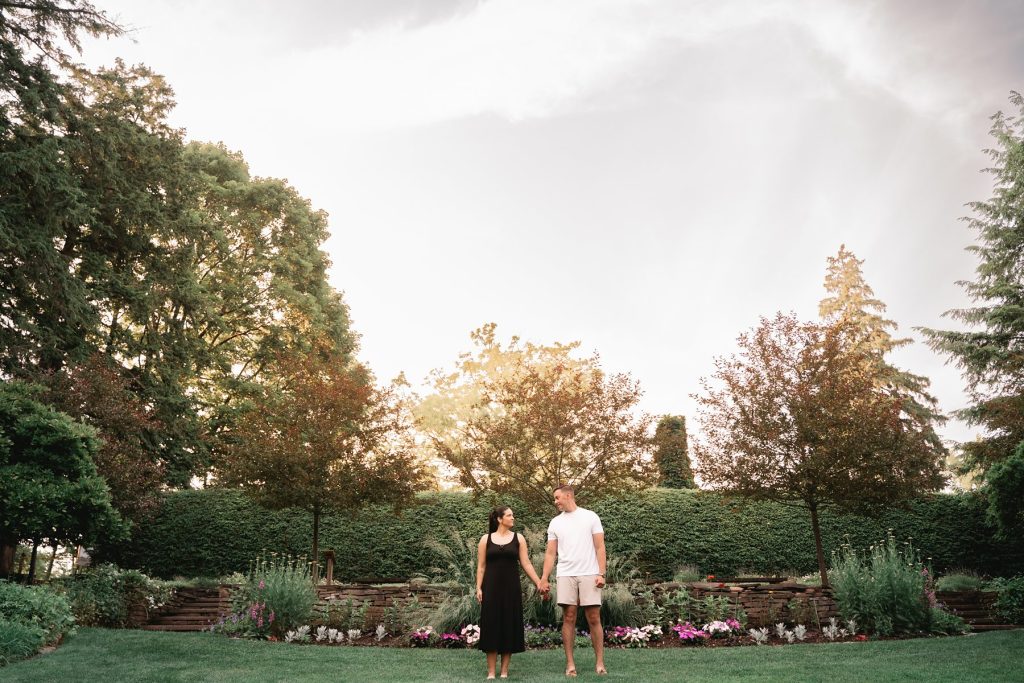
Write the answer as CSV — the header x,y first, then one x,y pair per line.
x,y
601,671
571,673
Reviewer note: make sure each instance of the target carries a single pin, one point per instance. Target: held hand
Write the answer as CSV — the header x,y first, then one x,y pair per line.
x,y
599,581
544,586
479,595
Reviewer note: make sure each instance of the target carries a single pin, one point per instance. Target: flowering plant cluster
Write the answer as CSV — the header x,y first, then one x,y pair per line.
x,y
422,636
253,621
471,634
690,634
722,629
452,640
631,636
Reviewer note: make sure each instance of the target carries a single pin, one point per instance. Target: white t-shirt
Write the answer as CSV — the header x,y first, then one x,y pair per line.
x,y
574,532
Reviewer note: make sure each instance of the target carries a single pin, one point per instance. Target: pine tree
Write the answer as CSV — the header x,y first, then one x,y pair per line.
x,y
670,453
990,353
852,302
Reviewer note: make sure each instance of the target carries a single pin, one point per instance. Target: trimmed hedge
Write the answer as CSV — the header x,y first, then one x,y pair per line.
x,y
215,532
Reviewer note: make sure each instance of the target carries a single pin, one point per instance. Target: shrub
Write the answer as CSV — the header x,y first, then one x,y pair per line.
x,y
887,590
19,640
212,532
946,623
106,595
1009,604
37,607
457,573
277,596
960,581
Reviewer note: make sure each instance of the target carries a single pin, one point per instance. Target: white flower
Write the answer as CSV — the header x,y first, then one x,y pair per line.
x,y
780,629
472,634
354,634
332,635
789,636
800,631
717,627
380,632
321,634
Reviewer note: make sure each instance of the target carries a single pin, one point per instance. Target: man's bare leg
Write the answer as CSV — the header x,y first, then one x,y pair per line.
x,y
593,614
569,637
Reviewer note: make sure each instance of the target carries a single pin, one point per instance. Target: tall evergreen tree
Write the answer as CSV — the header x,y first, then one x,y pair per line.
x,y
670,453
990,352
852,303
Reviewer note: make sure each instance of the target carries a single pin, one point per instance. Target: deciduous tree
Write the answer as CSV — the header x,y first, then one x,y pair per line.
x,y
798,417
324,437
49,487
523,419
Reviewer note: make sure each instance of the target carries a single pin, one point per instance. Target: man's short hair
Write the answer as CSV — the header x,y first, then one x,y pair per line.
x,y
567,488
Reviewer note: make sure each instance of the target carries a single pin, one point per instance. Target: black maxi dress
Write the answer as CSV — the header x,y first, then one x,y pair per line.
x,y
501,613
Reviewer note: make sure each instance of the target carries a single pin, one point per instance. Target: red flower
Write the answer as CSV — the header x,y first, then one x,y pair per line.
x,y
861,636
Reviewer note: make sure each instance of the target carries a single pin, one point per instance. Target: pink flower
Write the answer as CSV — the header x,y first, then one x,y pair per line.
x,y
262,584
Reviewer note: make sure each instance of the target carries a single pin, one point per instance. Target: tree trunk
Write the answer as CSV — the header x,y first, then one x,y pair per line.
x,y
819,549
32,563
49,567
6,560
315,567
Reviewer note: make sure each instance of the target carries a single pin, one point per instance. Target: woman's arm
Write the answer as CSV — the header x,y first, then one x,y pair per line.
x,y
524,560
481,564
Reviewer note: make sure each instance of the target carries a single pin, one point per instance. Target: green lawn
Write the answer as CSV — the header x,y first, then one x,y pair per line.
x,y
110,656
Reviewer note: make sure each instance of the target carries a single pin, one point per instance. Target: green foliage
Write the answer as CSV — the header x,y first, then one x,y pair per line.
x,y
19,640
343,615
49,487
401,617
37,607
959,581
458,555
670,453
943,623
886,589
537,610
215,532
987,351
278,596
1004,486
687,573
1010,602
106,595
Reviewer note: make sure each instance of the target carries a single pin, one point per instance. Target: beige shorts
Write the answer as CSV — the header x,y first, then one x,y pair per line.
x,y
578,590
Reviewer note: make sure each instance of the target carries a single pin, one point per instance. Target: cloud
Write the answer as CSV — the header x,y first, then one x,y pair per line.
x,y
532,59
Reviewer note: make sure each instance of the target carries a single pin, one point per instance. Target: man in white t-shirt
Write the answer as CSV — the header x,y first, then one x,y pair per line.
x,y
576,537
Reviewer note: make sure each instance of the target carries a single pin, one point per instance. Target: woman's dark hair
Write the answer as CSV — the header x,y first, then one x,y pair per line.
x,y
496,514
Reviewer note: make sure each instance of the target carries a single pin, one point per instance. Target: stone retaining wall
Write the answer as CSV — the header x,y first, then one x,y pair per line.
x,y
764,603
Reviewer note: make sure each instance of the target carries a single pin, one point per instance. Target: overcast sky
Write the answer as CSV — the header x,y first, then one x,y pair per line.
x,y
646,177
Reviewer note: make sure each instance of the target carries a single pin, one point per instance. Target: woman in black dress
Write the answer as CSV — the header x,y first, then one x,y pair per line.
x,y
499,555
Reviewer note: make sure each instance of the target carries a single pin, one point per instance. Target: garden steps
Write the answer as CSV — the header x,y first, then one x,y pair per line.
x,y
191,609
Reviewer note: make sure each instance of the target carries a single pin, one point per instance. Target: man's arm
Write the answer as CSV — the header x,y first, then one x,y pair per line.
x,y
549,563
602,557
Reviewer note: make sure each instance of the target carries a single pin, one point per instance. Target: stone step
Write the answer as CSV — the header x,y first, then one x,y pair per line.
x,y
994,627
175,627
184,618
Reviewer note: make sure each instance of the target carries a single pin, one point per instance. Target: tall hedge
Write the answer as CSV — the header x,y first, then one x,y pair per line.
x,y
215,532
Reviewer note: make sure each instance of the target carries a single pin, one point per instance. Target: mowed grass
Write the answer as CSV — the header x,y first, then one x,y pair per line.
x,y
110,656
